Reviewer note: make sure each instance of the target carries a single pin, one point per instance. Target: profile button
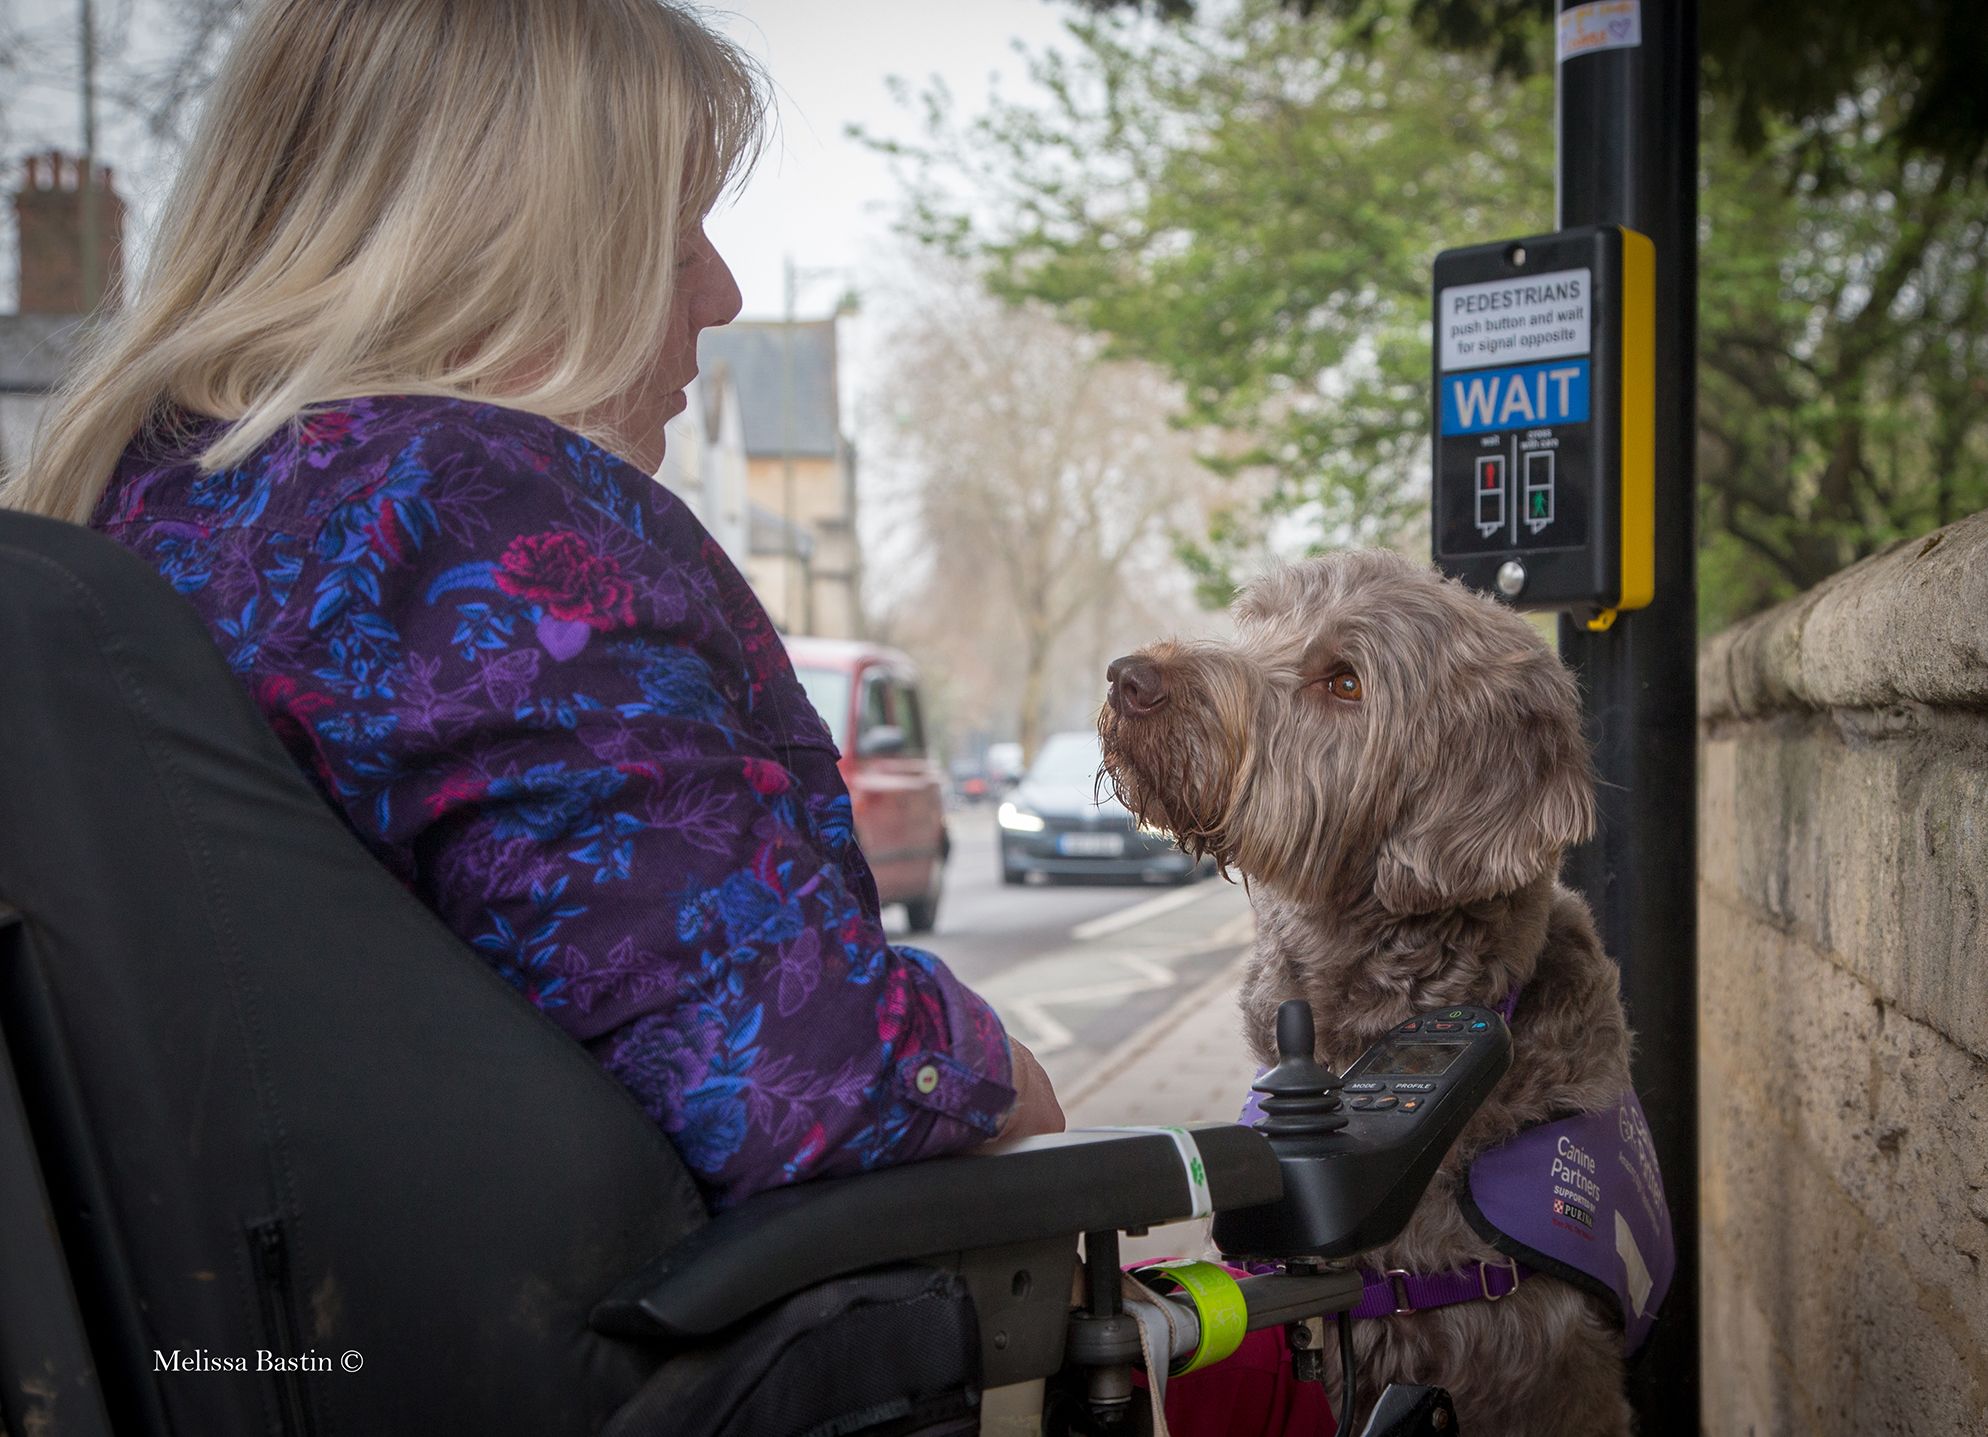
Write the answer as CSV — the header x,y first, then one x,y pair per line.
x,y
1418,1086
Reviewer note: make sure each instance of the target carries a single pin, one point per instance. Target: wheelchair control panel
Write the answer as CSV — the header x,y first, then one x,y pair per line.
x,y
1357,1151
1355,1154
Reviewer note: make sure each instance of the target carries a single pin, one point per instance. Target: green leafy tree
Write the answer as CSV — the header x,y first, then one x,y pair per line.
x,y
1843,355
1252,202
1251,205
1767,65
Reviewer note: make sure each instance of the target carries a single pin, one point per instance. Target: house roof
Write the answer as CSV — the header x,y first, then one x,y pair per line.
x,y
35,350
757,353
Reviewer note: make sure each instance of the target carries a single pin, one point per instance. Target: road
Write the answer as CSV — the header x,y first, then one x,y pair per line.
x,y
1076,970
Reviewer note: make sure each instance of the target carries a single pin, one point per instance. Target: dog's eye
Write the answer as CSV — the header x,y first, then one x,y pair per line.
x,y
1342,684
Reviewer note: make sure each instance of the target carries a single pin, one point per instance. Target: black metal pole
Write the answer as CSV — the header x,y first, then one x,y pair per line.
x,y
1627,153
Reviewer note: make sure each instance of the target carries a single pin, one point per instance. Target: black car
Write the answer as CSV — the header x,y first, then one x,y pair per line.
x,y
1061,823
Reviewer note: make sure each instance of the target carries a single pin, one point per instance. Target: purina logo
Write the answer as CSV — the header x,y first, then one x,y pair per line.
x,y
1573,1211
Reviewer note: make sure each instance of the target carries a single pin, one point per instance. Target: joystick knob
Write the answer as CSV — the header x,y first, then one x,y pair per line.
x,y
1300,1094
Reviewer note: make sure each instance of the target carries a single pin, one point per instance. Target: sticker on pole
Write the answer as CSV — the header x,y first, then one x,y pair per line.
x,y
1602,25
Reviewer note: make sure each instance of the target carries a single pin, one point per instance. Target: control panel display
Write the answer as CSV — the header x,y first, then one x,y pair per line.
x,y
1406,1058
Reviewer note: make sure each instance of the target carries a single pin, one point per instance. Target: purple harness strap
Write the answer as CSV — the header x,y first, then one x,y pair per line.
x,y
1390,1293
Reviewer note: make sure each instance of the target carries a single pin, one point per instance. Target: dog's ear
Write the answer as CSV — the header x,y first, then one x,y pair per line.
x,y
1509,786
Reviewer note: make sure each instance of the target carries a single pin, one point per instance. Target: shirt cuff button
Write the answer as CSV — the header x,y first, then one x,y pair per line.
x,y
927,1079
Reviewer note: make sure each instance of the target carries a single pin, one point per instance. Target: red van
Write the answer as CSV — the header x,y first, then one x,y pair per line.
x,y
868,696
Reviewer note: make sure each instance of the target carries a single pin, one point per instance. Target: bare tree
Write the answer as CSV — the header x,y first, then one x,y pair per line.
x,y
1046,483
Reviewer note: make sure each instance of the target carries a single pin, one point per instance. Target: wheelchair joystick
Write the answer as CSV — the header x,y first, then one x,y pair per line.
x,y
1300,1094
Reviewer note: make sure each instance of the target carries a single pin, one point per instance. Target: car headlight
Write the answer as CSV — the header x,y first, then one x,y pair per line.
x,y
1019,819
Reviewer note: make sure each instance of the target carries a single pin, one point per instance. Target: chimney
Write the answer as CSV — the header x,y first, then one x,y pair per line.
x,y
49,211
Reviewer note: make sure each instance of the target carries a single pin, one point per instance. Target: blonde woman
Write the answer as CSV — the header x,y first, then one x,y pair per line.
x,y
384,408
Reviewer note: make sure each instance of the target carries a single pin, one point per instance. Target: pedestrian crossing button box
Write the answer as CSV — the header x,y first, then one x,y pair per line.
x,y
1545,423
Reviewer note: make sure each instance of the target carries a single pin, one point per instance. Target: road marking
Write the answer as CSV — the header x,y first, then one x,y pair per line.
x,y
1239,929
1140,912
1217,991
1047,1035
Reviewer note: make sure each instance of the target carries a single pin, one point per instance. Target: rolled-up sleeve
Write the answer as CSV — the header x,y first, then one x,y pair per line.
x,y
544,719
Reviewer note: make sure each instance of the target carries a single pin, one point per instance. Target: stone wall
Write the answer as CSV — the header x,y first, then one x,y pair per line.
x,y
1843,981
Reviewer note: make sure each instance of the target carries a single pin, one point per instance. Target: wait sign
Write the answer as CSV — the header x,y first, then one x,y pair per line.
x,y
1545,419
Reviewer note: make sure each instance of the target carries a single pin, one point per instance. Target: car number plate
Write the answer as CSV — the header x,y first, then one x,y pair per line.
x,y
1091,845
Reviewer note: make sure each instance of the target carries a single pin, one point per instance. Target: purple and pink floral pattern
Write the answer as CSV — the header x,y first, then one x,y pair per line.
x,y
544,698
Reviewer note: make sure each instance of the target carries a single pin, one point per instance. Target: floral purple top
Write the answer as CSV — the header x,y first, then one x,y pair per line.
x,y
543,697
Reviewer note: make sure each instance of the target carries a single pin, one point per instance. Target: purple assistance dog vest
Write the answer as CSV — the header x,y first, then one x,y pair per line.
x,y
1579,1199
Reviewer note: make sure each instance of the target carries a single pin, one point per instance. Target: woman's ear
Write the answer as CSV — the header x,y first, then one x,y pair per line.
x,y
1512,788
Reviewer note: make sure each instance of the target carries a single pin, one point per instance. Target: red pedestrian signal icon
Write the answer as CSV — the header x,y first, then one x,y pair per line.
x,y
1490,494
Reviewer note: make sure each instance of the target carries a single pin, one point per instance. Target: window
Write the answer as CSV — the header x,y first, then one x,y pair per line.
x,y
911,719
828,691
875,711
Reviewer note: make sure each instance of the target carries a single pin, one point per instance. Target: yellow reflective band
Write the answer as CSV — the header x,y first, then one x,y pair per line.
x,y
1218,1305
1639,424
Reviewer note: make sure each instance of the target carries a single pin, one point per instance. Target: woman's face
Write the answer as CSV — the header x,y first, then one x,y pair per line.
x,y
707,297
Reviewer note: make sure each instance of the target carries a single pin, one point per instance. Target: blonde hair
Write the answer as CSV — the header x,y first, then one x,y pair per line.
x,y
475,198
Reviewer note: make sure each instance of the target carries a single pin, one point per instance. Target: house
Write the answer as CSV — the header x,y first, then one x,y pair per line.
x,y
38,343
803,557
704,459
705,464
35,351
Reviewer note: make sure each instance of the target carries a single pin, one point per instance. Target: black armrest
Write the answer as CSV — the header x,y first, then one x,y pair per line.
x,y
780,1242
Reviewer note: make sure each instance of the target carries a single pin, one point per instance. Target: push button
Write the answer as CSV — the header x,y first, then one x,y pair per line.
x,y
1446,1027
1418,1086
1479,1026
1365,1087
1360,1105
1412,1105
1379,1104
927,1079
1411,1026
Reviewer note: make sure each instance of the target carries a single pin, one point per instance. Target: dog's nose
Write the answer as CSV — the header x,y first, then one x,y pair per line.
x,y
1137,686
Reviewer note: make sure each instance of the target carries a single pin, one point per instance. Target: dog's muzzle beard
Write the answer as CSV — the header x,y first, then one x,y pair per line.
x,y
1159,774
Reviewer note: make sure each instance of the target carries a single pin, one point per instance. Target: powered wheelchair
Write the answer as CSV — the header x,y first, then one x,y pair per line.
x,y
279,1154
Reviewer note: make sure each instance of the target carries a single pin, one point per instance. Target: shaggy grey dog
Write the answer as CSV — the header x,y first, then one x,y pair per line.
x,y
1395,764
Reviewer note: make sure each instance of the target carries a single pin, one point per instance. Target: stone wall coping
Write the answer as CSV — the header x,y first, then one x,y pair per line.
x,y
1907,625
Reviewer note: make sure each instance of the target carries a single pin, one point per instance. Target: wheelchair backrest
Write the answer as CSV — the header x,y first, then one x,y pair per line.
x,y
277,1105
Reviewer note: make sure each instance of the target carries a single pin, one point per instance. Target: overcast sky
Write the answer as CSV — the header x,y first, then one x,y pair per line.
x,y
818,195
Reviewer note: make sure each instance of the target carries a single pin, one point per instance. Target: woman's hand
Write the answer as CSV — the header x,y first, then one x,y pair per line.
x,y
1036,1109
